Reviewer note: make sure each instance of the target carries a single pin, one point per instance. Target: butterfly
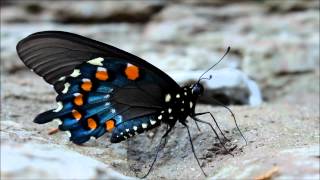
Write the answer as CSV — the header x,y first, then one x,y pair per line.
x,y
102,89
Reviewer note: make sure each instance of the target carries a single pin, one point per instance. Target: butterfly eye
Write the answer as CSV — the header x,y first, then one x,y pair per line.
x,y
197,89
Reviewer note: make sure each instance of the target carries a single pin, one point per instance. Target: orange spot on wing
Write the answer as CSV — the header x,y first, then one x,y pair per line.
x,y
132,72
110,125
76,114
102,74
86,85
78,100
92,123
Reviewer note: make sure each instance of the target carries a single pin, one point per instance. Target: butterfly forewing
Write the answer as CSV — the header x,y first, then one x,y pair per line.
x,y
55,54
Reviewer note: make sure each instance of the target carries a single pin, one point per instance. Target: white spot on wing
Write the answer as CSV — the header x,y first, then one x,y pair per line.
x,y
75,73
128,65
160,117
101,69
169,110
191,104
152,122
144,125
167,98
171,117
66,88
59,108
86,80
127,130
135,128
62,78
96,61
178,96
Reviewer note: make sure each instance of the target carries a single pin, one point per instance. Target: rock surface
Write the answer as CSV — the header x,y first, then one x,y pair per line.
x,y
37,161
274,44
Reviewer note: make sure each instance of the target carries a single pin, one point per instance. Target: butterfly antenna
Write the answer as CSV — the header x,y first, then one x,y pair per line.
x,y
228,49
205,78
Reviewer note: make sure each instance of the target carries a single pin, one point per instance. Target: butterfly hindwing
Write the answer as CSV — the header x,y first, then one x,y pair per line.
x,y
132,127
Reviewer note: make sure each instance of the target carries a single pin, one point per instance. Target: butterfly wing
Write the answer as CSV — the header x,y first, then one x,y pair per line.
x,y
100,88
54,54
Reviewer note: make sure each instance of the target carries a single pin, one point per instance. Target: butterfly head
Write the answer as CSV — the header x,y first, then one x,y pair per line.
x,y
197,89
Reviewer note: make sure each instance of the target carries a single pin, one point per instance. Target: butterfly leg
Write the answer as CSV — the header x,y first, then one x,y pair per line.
x,y
192,147
215,132
199,114
234,118
169,128
197,126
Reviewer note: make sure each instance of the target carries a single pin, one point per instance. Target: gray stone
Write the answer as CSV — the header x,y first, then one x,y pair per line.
x,y
38,161
296,163
85,11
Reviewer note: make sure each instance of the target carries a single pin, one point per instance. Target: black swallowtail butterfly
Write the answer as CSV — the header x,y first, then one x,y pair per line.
x,y
104,89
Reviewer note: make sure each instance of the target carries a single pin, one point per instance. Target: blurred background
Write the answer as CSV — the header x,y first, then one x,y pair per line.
x,y
274,57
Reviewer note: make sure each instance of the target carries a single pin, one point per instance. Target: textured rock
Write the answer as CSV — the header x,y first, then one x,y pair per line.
x,y
37,161
109,11
86,11
296,163
25,153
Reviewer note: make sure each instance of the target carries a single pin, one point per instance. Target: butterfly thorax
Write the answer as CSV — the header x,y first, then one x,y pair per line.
x,y
178,105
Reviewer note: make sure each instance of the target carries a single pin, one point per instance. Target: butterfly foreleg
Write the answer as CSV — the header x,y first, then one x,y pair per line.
x,y
192,147
203,113
215,132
